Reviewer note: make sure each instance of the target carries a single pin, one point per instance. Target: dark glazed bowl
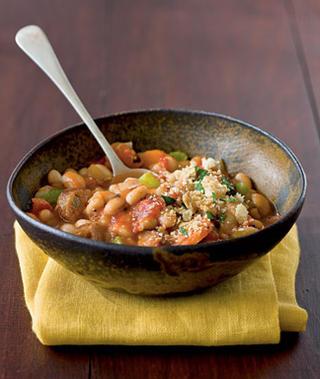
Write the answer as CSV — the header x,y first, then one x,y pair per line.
x,y
153,271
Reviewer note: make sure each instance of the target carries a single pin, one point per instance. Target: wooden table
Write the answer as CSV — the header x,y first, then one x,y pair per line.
x,y
255,60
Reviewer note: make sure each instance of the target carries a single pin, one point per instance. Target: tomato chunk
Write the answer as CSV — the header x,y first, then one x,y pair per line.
x,y
212,236
192,236
101,160
121,224
38,205
128,156
145,214
151,157
149,238
197,160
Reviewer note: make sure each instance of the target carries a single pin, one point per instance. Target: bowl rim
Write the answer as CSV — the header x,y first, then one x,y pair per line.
x,y
142,250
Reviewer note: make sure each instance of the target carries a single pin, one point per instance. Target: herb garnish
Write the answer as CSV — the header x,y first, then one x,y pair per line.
x,y
214,197
183,231
198,186
229,185
201,173
210,215
230,199
222,217
169,200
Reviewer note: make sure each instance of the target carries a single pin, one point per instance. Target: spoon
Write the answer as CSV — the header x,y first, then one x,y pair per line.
x,y
33,41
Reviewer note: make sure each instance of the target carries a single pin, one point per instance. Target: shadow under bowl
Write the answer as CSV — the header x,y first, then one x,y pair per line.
x,y
173,269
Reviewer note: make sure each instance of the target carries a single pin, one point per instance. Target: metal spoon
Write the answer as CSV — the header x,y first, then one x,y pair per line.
x,y
33,41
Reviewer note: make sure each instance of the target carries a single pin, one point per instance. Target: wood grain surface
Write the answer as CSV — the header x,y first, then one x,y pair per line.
x,y
254,60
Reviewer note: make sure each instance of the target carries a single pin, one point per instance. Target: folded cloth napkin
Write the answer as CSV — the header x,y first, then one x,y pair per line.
x,y
251,308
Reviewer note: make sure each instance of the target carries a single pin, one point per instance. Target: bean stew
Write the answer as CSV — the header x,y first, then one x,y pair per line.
x,y
181,201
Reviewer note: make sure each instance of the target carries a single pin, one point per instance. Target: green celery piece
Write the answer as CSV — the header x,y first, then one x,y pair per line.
x,y
179,155
149,180
51,196
229,185
242,188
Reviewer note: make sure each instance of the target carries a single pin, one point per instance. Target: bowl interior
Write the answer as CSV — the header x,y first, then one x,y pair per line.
x,y
272,167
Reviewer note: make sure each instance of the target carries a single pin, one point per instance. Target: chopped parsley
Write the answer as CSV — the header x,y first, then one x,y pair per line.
x,y
230,199
169,200
222,217
210,215
198,186
201,173
231,189
183,231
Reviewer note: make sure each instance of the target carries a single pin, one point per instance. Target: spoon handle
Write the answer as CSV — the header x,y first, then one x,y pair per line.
x,y
33,41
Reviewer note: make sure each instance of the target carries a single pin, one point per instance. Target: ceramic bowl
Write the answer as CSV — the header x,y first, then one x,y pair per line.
x,y
175,269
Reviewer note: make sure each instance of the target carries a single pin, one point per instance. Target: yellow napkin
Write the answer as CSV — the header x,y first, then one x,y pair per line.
x,y
251,308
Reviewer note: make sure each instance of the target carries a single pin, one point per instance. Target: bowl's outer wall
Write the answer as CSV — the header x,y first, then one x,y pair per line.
x,y
159,271
242,148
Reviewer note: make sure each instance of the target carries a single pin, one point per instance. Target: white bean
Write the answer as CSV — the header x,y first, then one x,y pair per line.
x,y
171,163
255,213
243,178
55,178
262,203
100,172
256,223
132,183
242,232
136,194
124,187
115,188
107,195
96,202
68,228
81,222
83,171
71,179
47,217
114,205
